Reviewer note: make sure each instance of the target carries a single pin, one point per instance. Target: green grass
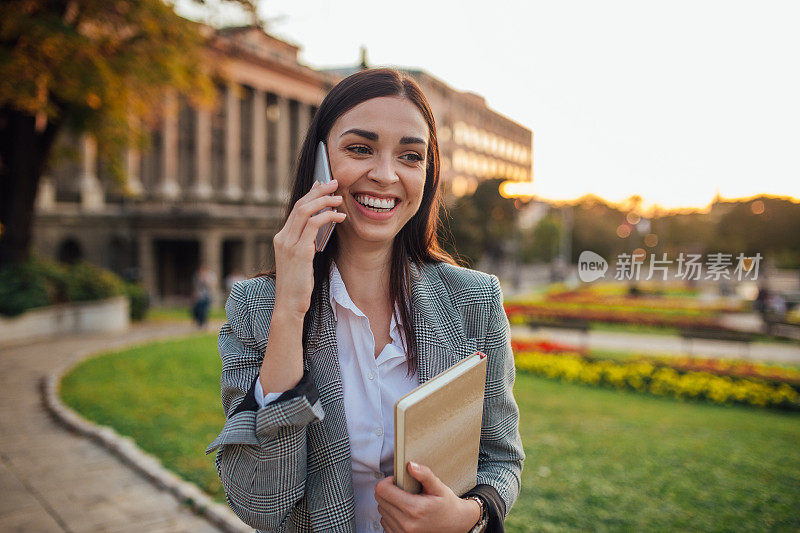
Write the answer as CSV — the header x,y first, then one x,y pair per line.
x,y
178,313
597,459
165,395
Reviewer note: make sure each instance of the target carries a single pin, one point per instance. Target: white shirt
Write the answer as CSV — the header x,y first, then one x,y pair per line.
x,y
371,387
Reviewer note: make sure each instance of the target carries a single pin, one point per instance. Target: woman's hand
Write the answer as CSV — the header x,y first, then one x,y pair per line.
x,y
294,248
437,508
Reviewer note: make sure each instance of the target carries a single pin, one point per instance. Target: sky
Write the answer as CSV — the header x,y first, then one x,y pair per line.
x,y
675,101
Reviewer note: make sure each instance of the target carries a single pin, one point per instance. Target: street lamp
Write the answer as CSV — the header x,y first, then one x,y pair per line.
x,y
522,190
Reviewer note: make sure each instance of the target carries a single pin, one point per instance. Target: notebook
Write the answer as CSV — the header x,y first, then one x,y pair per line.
x,y
438,424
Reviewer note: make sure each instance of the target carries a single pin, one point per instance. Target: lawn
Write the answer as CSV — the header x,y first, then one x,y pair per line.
x,y
178,313
597,459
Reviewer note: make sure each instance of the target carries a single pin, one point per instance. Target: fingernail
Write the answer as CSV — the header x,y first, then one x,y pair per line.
x,y
334,182
316,183
414,466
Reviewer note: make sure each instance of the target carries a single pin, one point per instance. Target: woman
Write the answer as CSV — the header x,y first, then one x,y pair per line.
x,y
316,353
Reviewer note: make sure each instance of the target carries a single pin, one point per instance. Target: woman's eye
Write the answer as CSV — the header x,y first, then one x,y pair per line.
x,y
413,156
359,149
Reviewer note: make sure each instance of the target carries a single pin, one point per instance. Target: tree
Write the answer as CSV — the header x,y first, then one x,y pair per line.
x,y
91,65
541,244
479,223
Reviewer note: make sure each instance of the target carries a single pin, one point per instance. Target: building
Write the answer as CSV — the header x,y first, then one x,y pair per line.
x,y
213,186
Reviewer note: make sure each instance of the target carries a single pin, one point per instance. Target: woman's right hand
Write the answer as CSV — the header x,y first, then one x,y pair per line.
x,y
294,248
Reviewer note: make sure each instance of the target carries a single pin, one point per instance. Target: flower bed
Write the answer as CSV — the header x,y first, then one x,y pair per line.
x,y
540,345
726,367
648,302
519,313
718,367
654,305
645,376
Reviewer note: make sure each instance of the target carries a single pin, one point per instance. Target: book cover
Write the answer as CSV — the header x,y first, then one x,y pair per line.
x,y
438,424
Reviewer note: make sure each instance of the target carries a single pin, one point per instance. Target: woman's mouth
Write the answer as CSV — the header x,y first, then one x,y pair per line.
x,y
376,208
374,204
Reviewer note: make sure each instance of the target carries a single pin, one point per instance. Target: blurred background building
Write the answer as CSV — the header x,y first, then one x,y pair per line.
x,y
212,187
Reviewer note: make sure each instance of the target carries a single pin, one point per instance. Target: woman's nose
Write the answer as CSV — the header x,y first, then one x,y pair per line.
x,y
383,171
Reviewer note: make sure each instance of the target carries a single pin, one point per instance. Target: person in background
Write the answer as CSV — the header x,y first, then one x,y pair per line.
x,y
232,278
203,285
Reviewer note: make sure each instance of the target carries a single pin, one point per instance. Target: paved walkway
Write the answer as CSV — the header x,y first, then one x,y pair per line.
x,y
52,480
667,344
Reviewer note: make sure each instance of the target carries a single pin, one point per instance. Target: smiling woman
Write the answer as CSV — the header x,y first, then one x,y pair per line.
x,y
380,170
316,353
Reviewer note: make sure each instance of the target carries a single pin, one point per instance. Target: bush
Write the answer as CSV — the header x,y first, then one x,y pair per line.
x,y
139,302
87,282
40,283
34,283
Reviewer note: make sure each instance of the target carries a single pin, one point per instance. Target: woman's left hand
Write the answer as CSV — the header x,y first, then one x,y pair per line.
x,y
437,508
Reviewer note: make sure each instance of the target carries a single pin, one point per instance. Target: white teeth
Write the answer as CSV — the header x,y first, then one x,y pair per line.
x,y
378,203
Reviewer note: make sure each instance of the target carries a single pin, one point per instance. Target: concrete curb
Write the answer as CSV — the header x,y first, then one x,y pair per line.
x,y
129,453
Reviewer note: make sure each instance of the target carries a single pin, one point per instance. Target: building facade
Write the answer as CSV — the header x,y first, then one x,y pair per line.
x,y
212,187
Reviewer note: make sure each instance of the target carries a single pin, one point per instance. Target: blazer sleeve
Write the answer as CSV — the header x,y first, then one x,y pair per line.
x,y
501,454
261,451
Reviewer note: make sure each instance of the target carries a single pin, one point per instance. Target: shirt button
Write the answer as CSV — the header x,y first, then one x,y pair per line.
x,y
376,526
378,475
379,431
371,375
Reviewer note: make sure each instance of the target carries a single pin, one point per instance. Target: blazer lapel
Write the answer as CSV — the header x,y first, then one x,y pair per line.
x,y
440,337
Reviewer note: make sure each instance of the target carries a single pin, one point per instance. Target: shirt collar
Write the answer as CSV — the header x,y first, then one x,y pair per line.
x,y
339,295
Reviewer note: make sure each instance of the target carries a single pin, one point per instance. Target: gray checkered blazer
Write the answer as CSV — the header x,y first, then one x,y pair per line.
x,y
286,466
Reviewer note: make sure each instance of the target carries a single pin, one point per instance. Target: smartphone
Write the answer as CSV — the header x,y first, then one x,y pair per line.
x,y
322,174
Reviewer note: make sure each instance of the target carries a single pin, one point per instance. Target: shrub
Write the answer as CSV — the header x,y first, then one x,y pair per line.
x,y
139,302
34,283
41,282
87,282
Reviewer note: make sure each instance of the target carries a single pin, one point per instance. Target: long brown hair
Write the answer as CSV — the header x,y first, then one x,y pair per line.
x,y
418,240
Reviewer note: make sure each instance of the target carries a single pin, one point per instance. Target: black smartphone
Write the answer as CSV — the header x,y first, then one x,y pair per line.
x,y
322,174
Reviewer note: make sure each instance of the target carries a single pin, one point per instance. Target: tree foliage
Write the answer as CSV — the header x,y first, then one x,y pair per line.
x,y
540,245
92,65
481,223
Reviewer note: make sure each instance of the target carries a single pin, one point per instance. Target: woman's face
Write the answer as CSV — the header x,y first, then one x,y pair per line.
x,y
378,153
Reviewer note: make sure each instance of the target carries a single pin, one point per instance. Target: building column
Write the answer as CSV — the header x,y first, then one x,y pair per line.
x,y
211,257
170,189
233,134
46,195
133,183
282,146
133,161
202,152
147,266
259,151
249,264
92,195
303,122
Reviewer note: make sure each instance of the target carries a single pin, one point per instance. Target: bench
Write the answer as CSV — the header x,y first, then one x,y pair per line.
x,y
781,328
688,334
577,324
